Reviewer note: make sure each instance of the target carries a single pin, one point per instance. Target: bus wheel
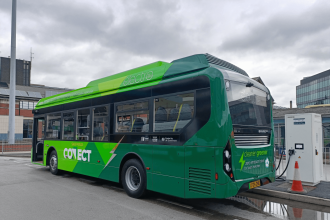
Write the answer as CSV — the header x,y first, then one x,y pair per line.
x,y
53,163
133,178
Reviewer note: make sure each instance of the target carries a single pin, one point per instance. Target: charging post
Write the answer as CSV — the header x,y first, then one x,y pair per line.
x,y
304,142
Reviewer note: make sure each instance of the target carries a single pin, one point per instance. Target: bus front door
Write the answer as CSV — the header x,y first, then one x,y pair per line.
x,y
38,140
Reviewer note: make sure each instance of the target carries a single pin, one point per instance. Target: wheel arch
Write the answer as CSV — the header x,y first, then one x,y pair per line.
x,y
48,154
128,156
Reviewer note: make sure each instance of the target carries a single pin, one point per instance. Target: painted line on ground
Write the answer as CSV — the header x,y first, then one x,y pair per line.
x,y
175,203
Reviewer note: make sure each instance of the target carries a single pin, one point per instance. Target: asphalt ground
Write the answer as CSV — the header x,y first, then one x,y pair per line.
x,y
29,191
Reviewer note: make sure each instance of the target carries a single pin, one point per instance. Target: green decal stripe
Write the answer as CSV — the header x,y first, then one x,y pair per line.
x,y
129,80
98,158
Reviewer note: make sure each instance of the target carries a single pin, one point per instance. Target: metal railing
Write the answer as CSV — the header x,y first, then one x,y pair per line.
x,y
19,145
281,167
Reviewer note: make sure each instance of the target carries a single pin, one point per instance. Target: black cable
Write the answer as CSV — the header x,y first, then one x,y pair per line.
x,y
282,209
286,210
291,152
279,163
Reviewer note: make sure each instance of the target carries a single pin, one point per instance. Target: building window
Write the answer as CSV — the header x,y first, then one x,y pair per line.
x,y
172,113
27,105
27,128
101,123
133,117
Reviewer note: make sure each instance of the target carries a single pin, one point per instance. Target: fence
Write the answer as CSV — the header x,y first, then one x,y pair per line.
x,y
20,145
281,167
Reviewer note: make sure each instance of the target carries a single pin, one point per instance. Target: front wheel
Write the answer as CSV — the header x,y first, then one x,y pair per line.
x,y
133,178
53,163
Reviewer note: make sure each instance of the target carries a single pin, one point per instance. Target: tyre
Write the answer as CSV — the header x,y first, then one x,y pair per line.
x,y
53,163
134,179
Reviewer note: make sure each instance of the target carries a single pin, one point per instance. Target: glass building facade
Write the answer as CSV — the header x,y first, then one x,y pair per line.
x,y
314,90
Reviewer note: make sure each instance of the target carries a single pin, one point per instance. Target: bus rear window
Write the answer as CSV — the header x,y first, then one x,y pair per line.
x,y
248,105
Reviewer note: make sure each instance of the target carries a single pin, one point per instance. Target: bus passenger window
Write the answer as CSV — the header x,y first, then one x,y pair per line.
x,y
83,125
132,117
53,129
68,123
101,124
172,113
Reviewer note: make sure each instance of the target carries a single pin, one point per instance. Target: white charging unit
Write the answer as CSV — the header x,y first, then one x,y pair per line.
x,y
303,134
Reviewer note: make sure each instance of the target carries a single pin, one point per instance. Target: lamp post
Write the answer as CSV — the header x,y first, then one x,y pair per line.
x,y
12,107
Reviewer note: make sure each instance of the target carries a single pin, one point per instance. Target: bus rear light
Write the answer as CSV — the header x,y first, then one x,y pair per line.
x,y
227,167
148,168
216,176
227,154
227,161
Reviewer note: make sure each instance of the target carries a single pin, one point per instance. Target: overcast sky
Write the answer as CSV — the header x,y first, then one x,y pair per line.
x,y
75,42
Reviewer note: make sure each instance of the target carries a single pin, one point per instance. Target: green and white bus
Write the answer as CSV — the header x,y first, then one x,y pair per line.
x,y
197,127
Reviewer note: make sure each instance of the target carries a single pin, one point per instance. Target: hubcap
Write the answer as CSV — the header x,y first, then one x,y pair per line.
x,y
53,162
133,178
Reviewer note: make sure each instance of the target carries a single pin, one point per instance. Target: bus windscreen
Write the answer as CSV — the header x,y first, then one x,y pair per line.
x,y
248,105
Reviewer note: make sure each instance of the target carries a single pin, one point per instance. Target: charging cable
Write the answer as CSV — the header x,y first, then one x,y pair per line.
x,y
291,152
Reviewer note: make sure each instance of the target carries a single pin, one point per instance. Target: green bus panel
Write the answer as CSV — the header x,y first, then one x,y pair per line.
x,y
226,190
199,172
252,162
170,185
168,160
168,169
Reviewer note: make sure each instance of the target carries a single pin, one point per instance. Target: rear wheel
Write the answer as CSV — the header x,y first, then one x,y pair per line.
x,y
53,163
133,178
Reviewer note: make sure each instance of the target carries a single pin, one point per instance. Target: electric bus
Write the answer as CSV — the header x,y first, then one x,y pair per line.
x,y
198,127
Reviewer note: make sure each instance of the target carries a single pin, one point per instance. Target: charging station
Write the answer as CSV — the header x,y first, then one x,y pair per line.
x,y
304,138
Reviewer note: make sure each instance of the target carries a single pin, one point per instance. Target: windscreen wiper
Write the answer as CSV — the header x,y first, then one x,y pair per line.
x,y
249,84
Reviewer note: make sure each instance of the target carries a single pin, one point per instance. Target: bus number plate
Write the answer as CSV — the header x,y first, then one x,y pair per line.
x,y
254,184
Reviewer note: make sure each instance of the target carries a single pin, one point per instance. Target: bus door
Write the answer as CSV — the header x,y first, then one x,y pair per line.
x,y
38,139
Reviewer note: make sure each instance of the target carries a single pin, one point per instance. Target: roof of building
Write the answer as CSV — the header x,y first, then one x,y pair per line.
x,y
278,107
280,113
259,80
315,77
33,92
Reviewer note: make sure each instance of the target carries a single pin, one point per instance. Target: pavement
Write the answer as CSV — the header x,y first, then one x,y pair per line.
x,y
16,154
318,194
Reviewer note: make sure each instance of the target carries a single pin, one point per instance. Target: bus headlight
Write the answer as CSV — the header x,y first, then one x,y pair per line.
x,y
227,154
227,167
227,163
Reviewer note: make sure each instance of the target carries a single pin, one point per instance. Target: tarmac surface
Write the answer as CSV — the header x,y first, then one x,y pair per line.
x,y
29,191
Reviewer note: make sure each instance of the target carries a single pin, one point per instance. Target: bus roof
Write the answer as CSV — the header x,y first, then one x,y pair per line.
x,y
144,76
